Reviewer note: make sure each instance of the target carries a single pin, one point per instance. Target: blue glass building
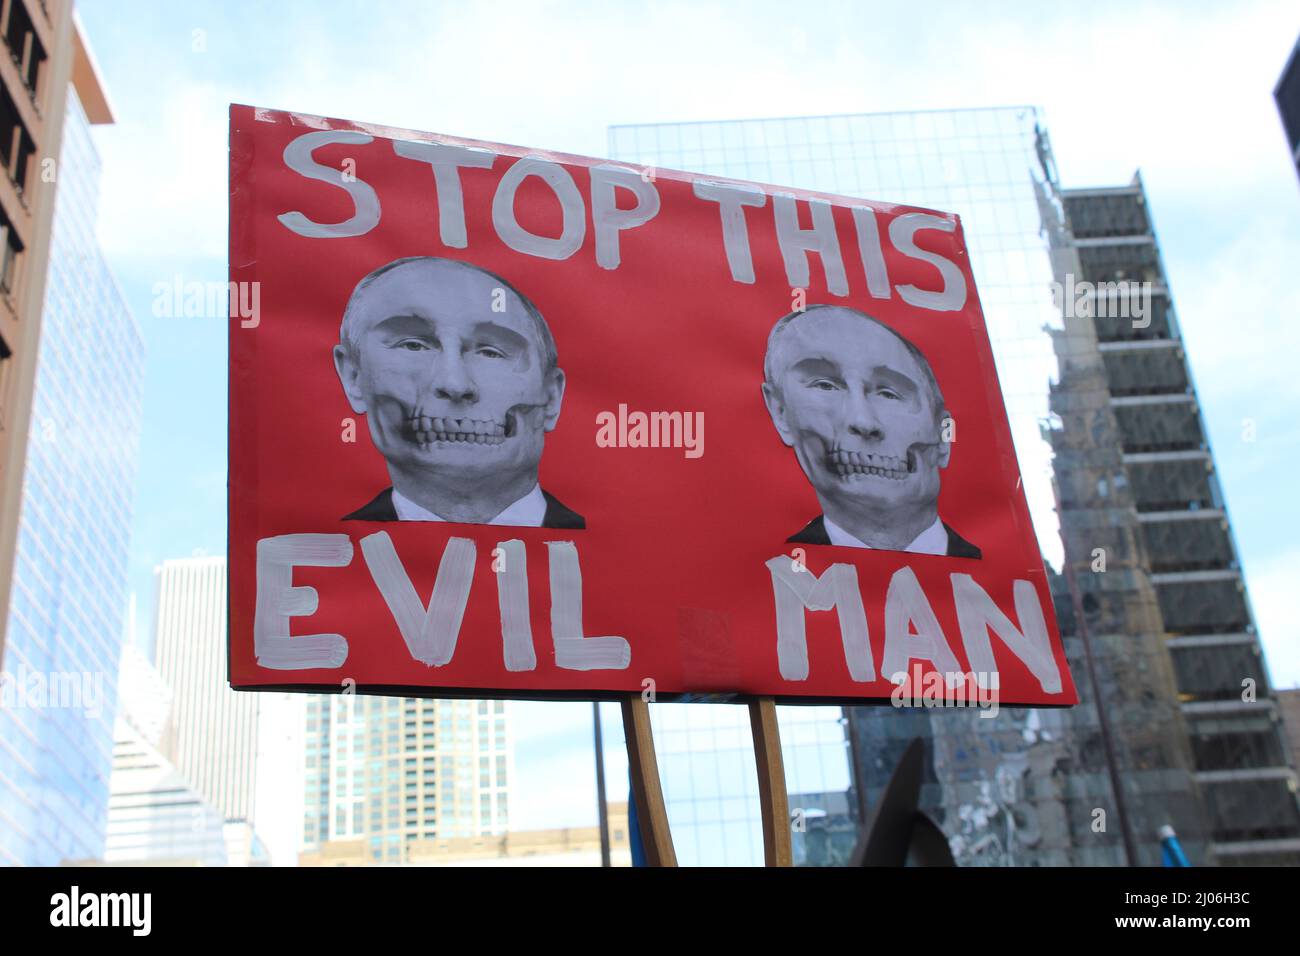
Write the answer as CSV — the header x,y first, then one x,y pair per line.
x,y
66,615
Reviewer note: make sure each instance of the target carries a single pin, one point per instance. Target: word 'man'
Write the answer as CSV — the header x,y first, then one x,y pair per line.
x,y
912,629
796,242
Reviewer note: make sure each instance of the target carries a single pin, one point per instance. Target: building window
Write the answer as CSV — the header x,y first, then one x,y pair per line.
x,y
10,248
24,46
16,146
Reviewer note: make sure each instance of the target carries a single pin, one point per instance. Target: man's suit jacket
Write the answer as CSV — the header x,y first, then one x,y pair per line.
x,y
815,533
382,509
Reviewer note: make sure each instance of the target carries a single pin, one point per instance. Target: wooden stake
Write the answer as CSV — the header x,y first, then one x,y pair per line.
x,y
773,799
646,788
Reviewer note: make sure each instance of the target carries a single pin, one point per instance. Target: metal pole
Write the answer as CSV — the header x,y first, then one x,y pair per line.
x,y
601,809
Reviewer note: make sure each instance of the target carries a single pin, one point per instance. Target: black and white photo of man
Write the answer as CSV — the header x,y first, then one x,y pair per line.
x,y
863,411
457,375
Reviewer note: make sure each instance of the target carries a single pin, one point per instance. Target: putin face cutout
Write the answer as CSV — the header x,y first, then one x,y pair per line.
x,y
455,372
864,415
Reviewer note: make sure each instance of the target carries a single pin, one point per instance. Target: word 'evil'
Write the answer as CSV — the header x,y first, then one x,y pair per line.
x,y
608,219
431,631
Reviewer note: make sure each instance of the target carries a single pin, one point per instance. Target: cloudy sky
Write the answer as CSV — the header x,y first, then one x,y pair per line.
x,y
1180,90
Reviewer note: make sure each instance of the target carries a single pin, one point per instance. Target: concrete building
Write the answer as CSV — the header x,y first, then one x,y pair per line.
x,y
1289,704
392,772
67,481
1166,612
46,58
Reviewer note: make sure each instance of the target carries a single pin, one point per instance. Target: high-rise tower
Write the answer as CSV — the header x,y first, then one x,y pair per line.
x,y
71,367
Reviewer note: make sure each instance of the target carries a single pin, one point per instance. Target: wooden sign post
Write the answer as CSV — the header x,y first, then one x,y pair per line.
x,y
646,789
772,795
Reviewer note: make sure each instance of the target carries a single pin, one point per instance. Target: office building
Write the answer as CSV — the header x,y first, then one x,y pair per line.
x,y
155,816
1289,703
212,736
391,772
1170,612
68,480
45,57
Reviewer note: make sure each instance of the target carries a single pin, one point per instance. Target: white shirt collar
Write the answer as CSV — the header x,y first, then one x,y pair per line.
x,y
528,512
933,540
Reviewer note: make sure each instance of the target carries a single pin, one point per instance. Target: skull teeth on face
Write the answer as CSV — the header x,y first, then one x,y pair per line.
x,y
427,429
850,465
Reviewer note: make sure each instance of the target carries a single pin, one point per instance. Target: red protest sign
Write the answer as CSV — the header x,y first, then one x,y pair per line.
x,y
520,423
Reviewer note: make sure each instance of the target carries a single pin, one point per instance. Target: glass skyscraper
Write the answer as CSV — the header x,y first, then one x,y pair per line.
x,y
1089,785
65,622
